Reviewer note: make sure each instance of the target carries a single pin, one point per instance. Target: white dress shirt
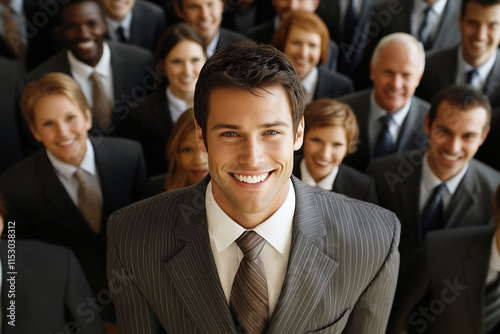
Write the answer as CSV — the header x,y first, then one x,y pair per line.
x,y
212,46
65,172
429,181
325,183
310,82
276,230
176,106
81,72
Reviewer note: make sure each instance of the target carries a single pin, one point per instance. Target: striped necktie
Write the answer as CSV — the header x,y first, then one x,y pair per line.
x,y
249,299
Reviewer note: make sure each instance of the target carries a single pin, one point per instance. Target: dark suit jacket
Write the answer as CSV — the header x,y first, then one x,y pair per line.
x,y
227,37
50,290
133,77
441,70
148,23
340,276
488,152
454,274
40,19
13,129
264,32
352,52
151,125
348,182
331,84
264,11
43,210
397,178
412,134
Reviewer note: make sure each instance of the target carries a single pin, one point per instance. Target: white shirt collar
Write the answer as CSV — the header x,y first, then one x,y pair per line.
x,y
17,6
309,83
398,117
212,46
67,170
483,70
437,7
274,230
430,179
325,183
176,106
125,24
103,67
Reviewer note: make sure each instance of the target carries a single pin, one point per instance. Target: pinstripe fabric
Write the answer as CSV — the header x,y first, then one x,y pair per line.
x,y
341,276
249,300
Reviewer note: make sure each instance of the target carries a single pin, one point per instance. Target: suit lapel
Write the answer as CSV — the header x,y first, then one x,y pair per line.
x,y
407,131
309,269
56,193
194,273
492,87
463,199
475,276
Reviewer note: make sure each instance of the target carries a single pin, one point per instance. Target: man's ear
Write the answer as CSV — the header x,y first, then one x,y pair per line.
x,y
199,137
299,136
178,9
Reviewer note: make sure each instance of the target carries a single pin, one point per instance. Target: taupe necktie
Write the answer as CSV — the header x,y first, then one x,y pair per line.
x,y
89,203
101,102
11,32
249,302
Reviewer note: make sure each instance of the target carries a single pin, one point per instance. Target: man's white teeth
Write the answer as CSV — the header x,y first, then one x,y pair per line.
x,y
67,142
450,157
251,178
204,24
479,44
87,44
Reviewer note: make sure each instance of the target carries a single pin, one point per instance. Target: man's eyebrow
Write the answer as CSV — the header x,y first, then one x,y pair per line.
x,y
237,127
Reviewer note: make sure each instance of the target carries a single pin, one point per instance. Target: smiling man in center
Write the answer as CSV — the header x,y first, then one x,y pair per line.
x,y
251,249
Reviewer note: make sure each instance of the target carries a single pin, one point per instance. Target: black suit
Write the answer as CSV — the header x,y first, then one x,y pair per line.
x,y
264,11
14,133
398,179
488,152
352,52
151,125
349,182
412,133
50,290
331,85
133,77
441,71
227,37
148,23
43,210
456,264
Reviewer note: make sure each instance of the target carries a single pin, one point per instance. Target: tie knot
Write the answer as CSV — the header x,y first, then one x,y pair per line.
x,y
386,119
428,10
251,244
80,176
440,189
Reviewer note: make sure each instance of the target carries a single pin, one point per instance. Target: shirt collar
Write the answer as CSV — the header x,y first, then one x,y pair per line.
x,y
103,67
16,6
325,183
398,117
125,23
67,170
431,180
212,46
483,70
177,106
310,81
437,7
274,230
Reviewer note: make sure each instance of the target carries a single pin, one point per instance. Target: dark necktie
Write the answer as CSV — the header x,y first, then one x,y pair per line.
x,y
120,32
470,77
432,214
88,202
492,307
424,32
350,20
249,299
384,143
11,31
101,102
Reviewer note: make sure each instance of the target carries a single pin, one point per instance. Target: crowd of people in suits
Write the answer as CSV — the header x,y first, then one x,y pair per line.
x,y
400,95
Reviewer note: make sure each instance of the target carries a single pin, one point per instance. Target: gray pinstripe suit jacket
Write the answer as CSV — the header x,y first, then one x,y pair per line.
x,y
341,275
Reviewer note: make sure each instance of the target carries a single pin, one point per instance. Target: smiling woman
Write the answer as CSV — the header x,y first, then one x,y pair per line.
x,y
180,54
